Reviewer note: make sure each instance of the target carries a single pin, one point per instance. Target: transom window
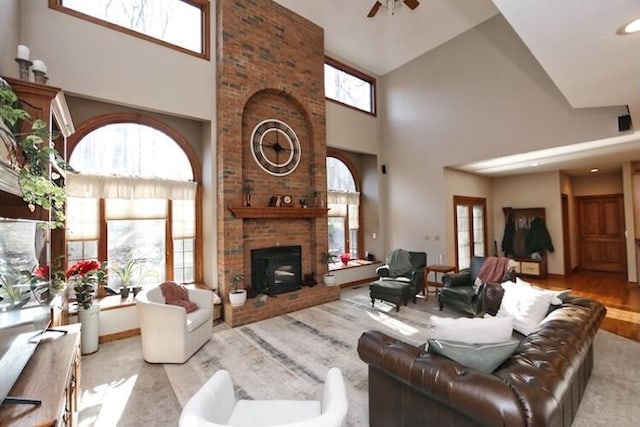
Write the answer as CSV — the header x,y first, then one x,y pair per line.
x,y
182,24
343,201
133,204
349,87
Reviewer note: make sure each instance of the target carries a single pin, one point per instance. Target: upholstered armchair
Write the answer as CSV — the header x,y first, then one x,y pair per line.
x,y
216,405
170,334
461,293
414,277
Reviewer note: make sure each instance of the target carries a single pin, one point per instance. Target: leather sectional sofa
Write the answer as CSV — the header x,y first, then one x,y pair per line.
x,y
540,385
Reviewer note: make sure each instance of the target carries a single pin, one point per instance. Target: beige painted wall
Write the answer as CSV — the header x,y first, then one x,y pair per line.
x,y
478,96
597,184
9,37
566,187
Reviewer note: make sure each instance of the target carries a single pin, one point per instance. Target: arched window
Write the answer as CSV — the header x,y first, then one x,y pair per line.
x,y
133,203
343,199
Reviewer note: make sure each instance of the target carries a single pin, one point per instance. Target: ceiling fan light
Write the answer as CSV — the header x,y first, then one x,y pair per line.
x,y
631,27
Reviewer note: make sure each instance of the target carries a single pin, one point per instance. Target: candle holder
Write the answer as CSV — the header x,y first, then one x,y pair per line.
x,y
23,66
40,77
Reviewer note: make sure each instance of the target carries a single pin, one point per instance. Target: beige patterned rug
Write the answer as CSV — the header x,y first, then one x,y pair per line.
x,y
288,356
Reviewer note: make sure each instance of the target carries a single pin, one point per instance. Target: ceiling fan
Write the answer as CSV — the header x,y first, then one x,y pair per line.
x,y
391,5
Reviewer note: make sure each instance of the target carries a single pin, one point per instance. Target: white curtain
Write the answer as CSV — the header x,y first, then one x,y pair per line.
x,y
126,187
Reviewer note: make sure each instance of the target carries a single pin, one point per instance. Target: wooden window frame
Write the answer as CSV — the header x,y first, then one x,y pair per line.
x,y
137,118
470,201
362,76
205,14
356,178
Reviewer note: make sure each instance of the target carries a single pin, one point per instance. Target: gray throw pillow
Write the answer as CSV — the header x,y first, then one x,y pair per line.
x,y
483,357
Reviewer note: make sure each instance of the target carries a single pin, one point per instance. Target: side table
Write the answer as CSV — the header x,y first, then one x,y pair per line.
x,y
435,269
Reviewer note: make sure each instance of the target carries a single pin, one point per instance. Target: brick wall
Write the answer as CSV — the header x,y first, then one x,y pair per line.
x,y
270,65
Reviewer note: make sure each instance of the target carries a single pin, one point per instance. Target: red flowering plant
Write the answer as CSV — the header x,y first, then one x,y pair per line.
x,y
85,276
45,282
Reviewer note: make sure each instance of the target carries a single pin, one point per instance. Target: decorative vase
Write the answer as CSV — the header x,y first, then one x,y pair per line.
x,y
345,258
90,332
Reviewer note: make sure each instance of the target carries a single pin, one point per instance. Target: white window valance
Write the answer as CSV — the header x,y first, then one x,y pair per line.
x,y
127,187
343,198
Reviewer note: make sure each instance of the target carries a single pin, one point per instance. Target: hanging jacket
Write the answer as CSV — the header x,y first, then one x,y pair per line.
x,y
538,237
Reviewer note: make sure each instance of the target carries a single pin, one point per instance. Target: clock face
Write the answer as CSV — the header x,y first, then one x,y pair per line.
x,y
275,147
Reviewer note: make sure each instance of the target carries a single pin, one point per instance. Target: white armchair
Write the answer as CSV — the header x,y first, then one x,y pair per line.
x,y
215,405
169,333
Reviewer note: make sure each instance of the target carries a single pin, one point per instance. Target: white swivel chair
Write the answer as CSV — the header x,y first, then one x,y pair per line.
x,y
170,334
215,405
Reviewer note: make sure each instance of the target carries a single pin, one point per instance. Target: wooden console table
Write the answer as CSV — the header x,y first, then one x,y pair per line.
x,y
51,376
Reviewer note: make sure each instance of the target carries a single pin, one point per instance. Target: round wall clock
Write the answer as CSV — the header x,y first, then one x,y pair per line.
x,y
275,147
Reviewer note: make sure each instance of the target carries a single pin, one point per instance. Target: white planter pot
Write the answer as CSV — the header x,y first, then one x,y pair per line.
x,y
329,279
238,297
90,332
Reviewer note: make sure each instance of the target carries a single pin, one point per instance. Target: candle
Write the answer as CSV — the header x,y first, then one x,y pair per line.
x,y
39,65
23,52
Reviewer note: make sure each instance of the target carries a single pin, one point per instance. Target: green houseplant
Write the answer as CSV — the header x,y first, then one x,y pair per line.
x,y
237,297
130,273
37,162
328,258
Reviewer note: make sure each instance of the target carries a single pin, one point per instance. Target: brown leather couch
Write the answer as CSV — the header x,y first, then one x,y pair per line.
x,y
540,385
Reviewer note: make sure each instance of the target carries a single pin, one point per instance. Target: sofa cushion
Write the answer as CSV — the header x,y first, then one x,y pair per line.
x,y
471,330
527,305
483,357
557,297
273,412
196,318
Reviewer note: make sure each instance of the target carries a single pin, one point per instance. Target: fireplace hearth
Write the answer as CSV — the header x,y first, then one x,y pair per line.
x,y
276,269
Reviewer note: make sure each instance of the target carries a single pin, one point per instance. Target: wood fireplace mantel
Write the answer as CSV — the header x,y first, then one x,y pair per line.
x,y
272,212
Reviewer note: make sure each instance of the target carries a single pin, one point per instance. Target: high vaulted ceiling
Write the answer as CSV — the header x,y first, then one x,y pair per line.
x,y
575,41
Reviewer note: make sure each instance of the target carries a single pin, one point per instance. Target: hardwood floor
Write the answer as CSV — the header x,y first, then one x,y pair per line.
x,y
621,298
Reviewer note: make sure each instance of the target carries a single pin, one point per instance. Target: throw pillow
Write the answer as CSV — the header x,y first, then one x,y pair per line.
x,y
471,330
483,357
527,305
557,297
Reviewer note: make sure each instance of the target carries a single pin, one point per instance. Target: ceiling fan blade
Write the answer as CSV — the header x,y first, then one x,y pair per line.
x,y
374,9
412,4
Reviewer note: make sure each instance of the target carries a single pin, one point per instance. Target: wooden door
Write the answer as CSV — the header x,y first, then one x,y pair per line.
x,y
601,241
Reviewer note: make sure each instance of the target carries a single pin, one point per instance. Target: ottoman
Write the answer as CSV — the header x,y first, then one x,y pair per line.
x,y
391,290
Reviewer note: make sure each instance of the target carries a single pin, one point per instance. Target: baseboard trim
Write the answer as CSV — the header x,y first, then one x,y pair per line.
x,y
119,335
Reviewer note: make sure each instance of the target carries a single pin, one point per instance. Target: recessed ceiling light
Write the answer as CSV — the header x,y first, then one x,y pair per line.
x,y
594,170
534,164
631,27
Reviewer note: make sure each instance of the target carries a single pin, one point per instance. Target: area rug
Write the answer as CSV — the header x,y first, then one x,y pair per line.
x,y
288,356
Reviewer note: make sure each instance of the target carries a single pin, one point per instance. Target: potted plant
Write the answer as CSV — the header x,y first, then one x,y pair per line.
x,y
131,273
37,162
84,277
328,258
237,297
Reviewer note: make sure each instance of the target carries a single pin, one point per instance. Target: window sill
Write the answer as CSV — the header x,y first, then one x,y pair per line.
x,y
354,263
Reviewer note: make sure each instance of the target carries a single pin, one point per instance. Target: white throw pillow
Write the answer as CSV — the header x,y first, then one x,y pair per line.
x,y
527,305
556,296
471,330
